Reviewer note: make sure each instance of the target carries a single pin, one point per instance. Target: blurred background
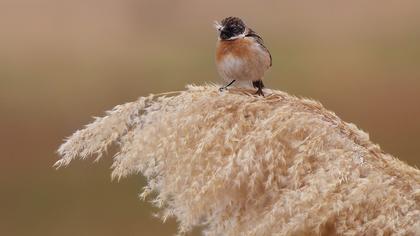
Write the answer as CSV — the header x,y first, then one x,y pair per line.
x,y
62,62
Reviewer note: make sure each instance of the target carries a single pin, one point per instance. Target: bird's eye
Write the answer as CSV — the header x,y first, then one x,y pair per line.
x,y
237,30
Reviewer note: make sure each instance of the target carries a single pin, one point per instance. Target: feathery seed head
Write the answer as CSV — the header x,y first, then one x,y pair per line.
x,y
246,165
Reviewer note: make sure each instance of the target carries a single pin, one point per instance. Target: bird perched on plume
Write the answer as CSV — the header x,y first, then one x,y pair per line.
x,y
240,54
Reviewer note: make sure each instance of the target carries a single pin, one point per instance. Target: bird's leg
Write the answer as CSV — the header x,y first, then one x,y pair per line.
x,y
259,85
260,92
226,86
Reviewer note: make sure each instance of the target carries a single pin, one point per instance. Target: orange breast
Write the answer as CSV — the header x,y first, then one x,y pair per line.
x,y
238,48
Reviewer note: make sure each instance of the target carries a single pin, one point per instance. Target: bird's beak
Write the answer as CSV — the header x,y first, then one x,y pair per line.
x,y
217,26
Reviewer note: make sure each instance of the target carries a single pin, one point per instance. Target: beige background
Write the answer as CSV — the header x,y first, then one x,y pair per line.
x,y
62,62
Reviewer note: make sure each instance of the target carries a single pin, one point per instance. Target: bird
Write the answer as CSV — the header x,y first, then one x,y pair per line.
x,y
241,55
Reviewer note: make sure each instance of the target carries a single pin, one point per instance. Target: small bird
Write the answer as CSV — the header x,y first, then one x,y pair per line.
x,y
240,54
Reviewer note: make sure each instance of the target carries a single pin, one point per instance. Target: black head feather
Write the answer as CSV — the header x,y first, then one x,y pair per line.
x,y
231,27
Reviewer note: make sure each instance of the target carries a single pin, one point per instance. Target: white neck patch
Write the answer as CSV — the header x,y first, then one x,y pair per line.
x,y
237,37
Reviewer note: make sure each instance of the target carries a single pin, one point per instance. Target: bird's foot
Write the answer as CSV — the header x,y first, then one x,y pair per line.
x,y
226,86
260,92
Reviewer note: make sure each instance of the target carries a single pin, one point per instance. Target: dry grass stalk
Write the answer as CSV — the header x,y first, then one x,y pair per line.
x,y
247,165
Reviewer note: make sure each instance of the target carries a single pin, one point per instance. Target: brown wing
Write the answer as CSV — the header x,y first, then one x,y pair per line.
x,y
260,41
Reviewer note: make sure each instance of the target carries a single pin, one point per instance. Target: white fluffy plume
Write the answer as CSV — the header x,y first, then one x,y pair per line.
x,y
248,165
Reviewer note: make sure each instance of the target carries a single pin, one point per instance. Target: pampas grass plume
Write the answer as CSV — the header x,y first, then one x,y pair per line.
x,y
240,164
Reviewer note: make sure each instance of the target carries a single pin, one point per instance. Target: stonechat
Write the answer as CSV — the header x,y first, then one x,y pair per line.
x,y
240,54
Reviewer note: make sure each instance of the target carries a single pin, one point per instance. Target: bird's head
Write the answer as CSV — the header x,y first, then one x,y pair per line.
x,y
230,28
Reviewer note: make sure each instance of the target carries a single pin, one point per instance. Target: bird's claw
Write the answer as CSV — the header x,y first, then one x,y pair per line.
x,y
260,92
